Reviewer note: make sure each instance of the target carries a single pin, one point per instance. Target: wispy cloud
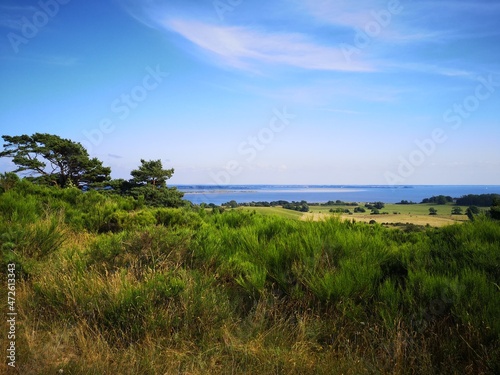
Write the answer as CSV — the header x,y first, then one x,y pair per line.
x,y
434,69
338,110
8,22
317,33
245,48
341,12
11,15
17,8
115,156
59,60
477,6
63,61
330,95
390,17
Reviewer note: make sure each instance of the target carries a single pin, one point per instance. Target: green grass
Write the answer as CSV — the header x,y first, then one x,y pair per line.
x,y
410,209
274,211
108,287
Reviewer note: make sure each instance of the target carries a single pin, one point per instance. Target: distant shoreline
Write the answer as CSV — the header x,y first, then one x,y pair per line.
x,y
219,194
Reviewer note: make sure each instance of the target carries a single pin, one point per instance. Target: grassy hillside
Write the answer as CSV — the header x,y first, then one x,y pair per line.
x,y
106,285
274,211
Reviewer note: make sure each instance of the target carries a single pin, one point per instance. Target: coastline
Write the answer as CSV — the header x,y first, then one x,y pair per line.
x,y
217,194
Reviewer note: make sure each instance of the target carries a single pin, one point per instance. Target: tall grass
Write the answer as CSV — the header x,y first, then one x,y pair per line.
x,y
107,286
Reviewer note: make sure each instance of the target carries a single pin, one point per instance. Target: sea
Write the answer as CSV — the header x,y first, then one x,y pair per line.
x,y
218,195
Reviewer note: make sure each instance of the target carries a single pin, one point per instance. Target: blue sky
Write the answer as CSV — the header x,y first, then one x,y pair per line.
x,y
264,92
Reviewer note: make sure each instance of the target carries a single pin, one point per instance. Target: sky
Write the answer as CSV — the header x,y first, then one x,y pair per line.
x,y
261,92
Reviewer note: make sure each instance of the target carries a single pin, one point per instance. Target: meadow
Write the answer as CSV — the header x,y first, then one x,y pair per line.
x,y
108,285
391,216
396,215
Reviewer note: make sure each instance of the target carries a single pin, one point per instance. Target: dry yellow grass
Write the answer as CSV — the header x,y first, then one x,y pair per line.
x,y
433,221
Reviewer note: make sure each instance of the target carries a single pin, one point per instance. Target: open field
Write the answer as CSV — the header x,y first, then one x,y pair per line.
x,y
410,209
417,214
391,220
276,211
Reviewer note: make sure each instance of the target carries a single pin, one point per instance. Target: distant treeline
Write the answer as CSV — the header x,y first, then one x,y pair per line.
x,y
482,200
440,199
234,204
296,206
335,203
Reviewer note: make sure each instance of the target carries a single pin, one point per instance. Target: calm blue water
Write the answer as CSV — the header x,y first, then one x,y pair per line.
x,y
324,193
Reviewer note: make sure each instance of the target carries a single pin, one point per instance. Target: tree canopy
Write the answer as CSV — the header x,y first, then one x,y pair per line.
x,y
440,199
481,200
149,181
495,209
53,160
151,172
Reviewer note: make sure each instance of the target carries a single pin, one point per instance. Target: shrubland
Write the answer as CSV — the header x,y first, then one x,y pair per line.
x,y
107,284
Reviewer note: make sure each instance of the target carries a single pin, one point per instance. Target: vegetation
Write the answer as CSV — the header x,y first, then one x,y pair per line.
x,y
375,205
495,209
340,210
53,160
338,202
472,211
440,199
482,200
404,201
106,284
301,206
151,172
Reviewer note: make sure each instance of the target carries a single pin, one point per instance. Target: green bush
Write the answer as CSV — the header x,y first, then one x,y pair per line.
x,y
18,208
175,217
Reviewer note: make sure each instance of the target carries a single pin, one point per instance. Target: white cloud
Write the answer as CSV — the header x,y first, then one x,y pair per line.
x,y
434,69
390,16
245,48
